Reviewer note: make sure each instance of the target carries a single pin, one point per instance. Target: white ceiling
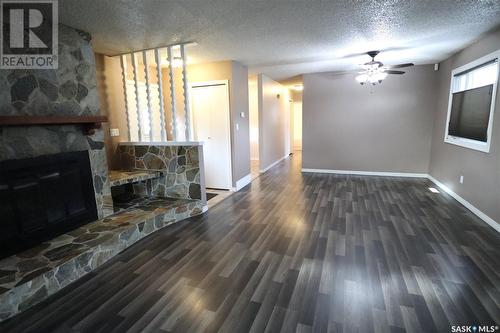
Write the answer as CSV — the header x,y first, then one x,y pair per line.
x,y
287,38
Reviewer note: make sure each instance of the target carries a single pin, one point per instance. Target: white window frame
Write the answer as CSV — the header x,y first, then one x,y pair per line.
x,y
464,142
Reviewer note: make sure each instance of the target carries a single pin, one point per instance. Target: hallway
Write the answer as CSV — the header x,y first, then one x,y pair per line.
x,y
295,252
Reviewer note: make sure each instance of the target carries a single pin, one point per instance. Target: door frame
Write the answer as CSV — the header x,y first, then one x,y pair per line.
x,y
291,123
228,115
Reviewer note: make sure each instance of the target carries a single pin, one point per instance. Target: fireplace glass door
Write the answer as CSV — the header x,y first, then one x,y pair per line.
x,y
43,197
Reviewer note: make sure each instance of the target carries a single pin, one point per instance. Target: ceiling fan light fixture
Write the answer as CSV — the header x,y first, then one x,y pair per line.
x,y
372,77
371,66
375,72
380,76
362,78
373,80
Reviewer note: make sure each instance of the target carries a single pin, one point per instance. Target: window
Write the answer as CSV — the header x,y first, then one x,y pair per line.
x,y
472,103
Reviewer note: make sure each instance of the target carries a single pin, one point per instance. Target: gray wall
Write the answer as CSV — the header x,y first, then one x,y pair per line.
x,y
272,121
240,138
385,128
481,171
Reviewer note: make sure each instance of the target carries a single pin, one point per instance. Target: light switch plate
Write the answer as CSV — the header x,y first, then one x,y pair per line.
x,y
114,132
242,114
237,126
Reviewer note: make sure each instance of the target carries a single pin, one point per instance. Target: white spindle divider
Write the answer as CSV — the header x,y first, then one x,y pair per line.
x,y
137,103
172,92
187,106
137,86
160,94
123,64
148,94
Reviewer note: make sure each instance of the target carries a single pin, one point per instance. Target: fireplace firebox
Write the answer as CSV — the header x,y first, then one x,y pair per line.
x,y
43,197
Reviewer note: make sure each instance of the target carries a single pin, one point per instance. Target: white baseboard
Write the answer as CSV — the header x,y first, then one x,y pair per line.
x,y
495,225
367,173
270,166
242,182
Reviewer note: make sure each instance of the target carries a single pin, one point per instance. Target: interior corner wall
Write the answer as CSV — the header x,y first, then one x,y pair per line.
x,y
273,113
481,171
112,103
382,128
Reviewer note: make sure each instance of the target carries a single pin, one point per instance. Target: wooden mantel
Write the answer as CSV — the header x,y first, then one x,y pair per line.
x,y
90,123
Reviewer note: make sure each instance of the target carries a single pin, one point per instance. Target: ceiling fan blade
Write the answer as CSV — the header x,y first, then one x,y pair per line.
x,y
381,51
394,72
402,65
344,72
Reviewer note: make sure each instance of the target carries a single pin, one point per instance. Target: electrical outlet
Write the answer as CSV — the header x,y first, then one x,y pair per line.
x,y
461,179
114,132
237,126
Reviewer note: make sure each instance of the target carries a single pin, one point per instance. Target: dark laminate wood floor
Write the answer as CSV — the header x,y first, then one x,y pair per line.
x,y
296,252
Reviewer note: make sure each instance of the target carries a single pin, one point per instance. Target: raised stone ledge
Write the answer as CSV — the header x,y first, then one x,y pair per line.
x,y
181,165
119,177
31,276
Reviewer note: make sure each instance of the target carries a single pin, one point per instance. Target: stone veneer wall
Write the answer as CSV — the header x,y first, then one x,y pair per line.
x,y
69,90
179,166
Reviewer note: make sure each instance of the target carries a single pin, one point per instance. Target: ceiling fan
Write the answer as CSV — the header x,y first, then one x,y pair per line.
x,y
375,72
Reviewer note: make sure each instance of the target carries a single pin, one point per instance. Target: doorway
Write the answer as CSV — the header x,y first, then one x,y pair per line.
x,y
296,128
296,114
211,124
253,110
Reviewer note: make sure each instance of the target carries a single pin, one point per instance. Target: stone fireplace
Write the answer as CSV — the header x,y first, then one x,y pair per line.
x,y
69,90
60,222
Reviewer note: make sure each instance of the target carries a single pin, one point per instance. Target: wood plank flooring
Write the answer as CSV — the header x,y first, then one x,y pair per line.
x,y
296,253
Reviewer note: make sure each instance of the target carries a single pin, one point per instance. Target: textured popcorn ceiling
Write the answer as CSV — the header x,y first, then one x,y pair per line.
x,y
286,38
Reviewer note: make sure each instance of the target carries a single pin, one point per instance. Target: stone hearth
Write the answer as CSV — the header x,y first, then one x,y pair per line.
x,y
31,276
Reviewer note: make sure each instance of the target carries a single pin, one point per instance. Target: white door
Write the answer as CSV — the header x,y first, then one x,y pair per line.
x,y
210,108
